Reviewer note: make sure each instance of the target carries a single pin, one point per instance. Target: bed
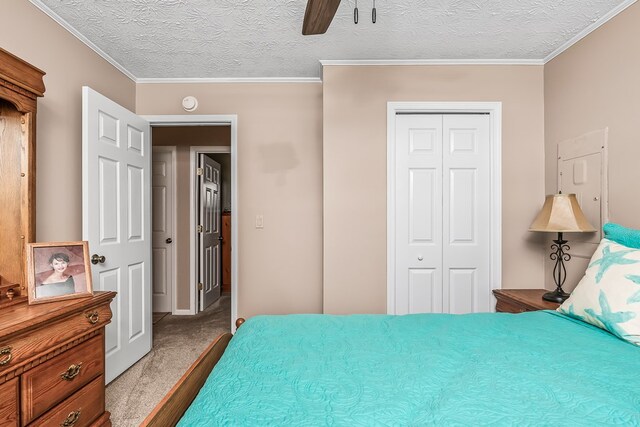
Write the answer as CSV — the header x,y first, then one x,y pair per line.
x,y
576,366
429,369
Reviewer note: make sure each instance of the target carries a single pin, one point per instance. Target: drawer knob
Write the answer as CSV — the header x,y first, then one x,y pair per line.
x,y
71,372
93,317
6,355
71,419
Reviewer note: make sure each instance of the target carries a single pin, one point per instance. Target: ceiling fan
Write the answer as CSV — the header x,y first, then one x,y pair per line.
x,y
318,16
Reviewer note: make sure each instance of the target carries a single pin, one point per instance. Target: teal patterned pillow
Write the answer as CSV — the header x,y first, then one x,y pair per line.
x,y
608,296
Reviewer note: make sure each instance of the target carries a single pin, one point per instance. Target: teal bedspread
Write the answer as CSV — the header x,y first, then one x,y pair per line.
x,y
537,368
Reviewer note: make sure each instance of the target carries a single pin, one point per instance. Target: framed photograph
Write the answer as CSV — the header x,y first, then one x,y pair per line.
x,y
58,271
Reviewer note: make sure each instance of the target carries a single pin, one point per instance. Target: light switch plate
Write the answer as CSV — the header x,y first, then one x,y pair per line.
x,y
259,221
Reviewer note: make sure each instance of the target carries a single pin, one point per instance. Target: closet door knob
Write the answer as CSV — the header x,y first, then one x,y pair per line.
x,y
420,258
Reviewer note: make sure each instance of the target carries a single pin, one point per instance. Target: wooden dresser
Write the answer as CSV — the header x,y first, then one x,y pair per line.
x,y
521,300
52,363
52,356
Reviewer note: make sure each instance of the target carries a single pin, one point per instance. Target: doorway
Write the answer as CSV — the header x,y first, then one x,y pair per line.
x,y
443,207
187,297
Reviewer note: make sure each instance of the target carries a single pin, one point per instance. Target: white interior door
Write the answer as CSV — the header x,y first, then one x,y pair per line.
x,y
162,197
442,212
116,221
209,231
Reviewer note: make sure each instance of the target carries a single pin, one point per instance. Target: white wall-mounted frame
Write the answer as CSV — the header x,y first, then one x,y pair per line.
x,y
494,109
174,223
212,120
582,146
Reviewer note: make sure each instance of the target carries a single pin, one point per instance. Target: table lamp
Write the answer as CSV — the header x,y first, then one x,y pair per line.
x,y
560,213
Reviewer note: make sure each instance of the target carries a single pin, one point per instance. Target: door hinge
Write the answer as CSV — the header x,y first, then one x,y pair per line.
x,y
200,287
199,228
199,171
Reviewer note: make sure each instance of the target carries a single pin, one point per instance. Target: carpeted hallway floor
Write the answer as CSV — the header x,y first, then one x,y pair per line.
x,y
177,343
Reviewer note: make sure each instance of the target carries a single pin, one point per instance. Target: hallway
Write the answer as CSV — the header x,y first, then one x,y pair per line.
x,y
177,343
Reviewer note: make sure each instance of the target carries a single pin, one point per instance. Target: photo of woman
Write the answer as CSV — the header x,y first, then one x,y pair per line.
x,y
58,271
59,282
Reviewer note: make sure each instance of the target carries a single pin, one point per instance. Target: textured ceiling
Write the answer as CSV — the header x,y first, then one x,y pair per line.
x,y
262,38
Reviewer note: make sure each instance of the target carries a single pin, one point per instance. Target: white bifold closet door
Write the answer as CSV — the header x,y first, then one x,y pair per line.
x,y
442,213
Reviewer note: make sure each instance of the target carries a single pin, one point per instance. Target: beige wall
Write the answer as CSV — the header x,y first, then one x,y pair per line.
x,y
33,36
279,176
355,124
183,137
595,85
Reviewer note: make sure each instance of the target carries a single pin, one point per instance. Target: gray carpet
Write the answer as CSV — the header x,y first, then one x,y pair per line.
x,y
177,343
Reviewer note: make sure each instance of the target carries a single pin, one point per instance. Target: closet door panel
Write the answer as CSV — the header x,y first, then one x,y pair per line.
x,y
466,212
418,210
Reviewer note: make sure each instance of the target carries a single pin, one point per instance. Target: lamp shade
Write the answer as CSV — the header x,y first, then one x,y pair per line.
x,y
561,213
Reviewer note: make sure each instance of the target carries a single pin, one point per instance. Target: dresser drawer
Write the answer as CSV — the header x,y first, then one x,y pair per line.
x,y
9,403
18,351
84,407
53,381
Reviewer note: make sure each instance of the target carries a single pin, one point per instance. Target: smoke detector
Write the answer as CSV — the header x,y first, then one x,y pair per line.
x,y
189,103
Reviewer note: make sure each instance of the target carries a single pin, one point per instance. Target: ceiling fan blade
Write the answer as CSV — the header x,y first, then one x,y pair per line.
x,y
318,16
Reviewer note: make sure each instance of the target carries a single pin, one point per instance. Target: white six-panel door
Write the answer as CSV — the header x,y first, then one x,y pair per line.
x,y
163,234
442,213
116,221
419,214
466,208
209,237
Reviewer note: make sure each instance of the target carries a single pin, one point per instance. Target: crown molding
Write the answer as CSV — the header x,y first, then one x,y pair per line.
x,y
64,24
230,80
365,62
591,28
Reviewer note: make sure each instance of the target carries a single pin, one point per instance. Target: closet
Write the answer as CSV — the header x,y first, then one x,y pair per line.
x,y
442,213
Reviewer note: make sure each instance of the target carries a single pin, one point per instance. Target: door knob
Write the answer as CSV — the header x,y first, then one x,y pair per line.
x,y
95,258
420,258
169,240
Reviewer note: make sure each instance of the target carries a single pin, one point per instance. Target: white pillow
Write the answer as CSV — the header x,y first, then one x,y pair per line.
x,y
608,296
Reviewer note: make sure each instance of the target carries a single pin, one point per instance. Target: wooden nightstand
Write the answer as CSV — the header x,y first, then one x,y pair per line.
x,y
521,300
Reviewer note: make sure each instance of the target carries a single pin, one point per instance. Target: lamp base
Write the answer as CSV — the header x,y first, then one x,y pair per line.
x,y
558,296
